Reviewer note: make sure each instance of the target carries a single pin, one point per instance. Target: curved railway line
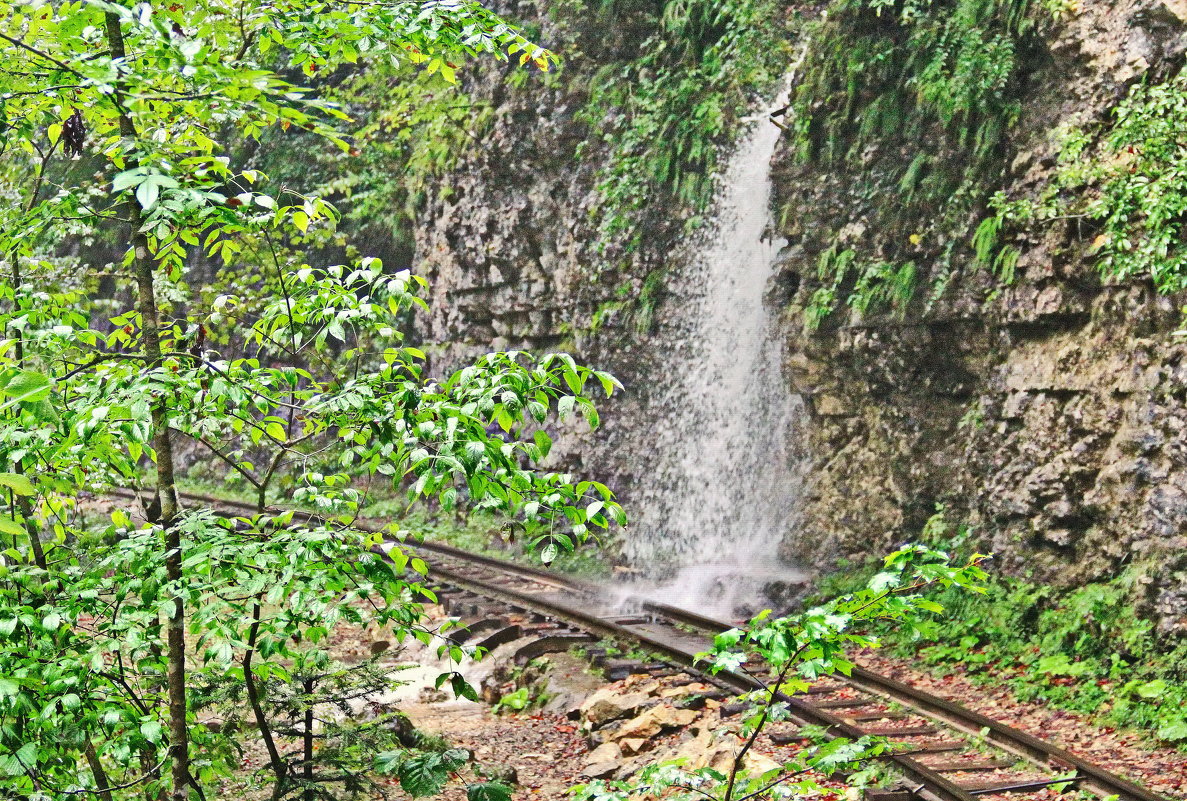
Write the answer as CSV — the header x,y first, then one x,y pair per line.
x,y
952,753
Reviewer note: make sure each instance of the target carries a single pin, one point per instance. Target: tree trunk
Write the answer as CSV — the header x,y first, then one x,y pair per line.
x,y
143,268
102,783
307,768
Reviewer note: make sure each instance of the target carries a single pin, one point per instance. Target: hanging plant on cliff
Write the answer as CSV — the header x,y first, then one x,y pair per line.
x,y
112,124
909,105
1119,186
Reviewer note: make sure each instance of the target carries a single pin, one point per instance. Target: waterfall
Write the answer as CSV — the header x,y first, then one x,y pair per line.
x,y
724,477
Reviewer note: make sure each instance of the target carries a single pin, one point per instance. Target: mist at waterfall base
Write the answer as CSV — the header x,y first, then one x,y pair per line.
x,y
723,474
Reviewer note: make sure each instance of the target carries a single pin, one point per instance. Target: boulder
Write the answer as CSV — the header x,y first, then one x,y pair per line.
x,y
634,745
606,752
758,764
1171,12
606,705
643,726
641,683
685,690
671,717
599,770
694,750
653,721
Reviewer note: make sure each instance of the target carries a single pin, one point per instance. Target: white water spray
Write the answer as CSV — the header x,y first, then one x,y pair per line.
x,y
724,491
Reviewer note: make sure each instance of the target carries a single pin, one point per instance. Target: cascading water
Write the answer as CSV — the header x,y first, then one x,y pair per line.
x,y
722,492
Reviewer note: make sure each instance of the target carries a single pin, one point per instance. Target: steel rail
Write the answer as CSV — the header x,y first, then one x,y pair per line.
x,y
1008,738
934,786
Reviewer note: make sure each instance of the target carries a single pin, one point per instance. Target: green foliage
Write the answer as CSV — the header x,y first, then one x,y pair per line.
x,y
864,286
1125,184
794,651
427,773
637,312
923,63
1085,649
516,701
643,314
668,113
530,683
488,791
912,100
481,531
119,635
409,128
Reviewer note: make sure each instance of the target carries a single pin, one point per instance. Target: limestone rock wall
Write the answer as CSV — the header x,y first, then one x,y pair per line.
x,y
1050,415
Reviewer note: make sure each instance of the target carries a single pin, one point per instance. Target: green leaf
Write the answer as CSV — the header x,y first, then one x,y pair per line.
x,y
19,484
929,606
488,791
422,775
517,700
1153,689
147,193
388,762
27,755
27,387
11,527
127,179
462,688
564,406
1174,731
152,731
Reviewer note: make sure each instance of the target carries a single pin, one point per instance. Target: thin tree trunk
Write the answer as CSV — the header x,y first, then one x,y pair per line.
x,y
143,268
257,708
307,769
102,784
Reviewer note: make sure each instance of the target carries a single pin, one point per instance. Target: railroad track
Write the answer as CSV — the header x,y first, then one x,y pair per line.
x,y
950,753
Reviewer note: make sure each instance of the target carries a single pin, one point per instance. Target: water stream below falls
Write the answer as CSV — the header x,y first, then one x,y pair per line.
x,y
726,481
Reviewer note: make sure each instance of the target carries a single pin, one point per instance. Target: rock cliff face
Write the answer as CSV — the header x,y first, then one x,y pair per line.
x,y
1048,414
512,248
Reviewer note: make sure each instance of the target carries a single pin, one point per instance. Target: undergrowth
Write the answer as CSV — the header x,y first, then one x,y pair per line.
x,y
477,532
1084,649
411,128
